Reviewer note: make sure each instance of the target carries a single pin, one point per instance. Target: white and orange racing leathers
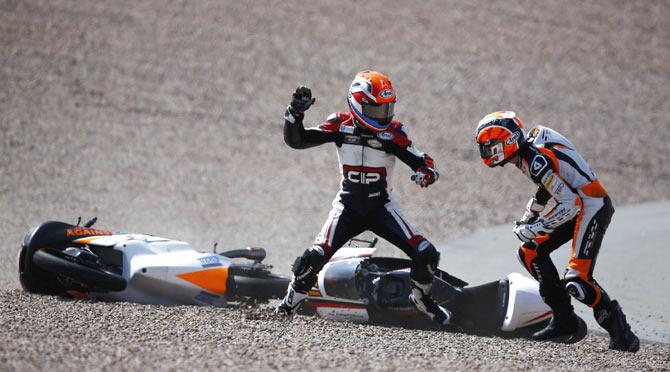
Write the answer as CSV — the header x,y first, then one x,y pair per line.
x,y
582,213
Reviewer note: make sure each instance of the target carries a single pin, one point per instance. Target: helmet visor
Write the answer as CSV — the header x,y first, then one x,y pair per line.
x,y
490,148
380,112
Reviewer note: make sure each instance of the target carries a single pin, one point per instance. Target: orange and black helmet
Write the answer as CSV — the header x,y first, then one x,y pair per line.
x,y
500,135
371,100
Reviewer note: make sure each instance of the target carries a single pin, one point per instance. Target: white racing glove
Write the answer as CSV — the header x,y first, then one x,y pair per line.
x,y
532,212
527,232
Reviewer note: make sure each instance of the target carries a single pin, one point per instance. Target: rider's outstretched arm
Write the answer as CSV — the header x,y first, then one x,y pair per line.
x,y
296,136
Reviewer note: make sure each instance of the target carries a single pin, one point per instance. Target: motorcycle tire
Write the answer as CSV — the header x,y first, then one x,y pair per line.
x,y
84,274
266,287
35,280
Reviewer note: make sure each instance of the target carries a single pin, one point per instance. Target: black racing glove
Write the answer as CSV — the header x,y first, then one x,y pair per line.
x,y
302,100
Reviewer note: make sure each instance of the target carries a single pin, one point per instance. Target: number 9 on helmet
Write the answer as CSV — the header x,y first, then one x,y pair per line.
x,y
499,136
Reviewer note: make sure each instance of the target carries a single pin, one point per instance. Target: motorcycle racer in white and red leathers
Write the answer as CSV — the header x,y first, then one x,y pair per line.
x,y
582,214
368,141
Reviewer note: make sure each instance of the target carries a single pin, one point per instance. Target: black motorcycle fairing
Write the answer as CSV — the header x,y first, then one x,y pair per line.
x,y
253,282
32,278
57,235
393,263
384,285
391,291
88,274
390,283
481,309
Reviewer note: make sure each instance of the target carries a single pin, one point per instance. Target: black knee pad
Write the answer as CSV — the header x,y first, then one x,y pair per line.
x,y
581,290
306,268
425,262
427,254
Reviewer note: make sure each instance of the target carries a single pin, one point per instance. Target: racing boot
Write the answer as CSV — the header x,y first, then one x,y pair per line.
x,y
612,318
420,297
290,302
565,326
566,329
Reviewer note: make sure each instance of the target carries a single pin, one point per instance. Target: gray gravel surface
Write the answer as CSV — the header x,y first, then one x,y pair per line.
x,y
165,117
129,336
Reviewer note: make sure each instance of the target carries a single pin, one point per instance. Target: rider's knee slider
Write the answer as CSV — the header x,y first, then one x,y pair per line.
x,y
579,288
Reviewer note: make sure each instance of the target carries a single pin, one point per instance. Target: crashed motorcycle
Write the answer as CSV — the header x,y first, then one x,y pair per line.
x,y
81,261
62,259
354,286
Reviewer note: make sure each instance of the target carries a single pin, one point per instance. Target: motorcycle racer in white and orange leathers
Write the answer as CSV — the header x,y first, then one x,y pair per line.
x,y
368,141
582,214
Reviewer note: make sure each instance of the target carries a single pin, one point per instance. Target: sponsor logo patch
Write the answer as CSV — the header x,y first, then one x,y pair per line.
x,y
79,231
353,313
352,139
549,180
210,261
386,94
347,129
538,165
364,175
513,138
374,143
386,136
559,188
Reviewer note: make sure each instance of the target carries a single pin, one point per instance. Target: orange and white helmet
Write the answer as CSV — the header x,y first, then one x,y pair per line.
x,y
499,135
371,100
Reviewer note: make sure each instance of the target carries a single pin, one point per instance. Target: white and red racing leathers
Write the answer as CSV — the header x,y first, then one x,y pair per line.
x,y
582,213
365,200
366,159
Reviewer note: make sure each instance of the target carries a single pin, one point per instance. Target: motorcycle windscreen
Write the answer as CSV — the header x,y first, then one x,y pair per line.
x,y
340,280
